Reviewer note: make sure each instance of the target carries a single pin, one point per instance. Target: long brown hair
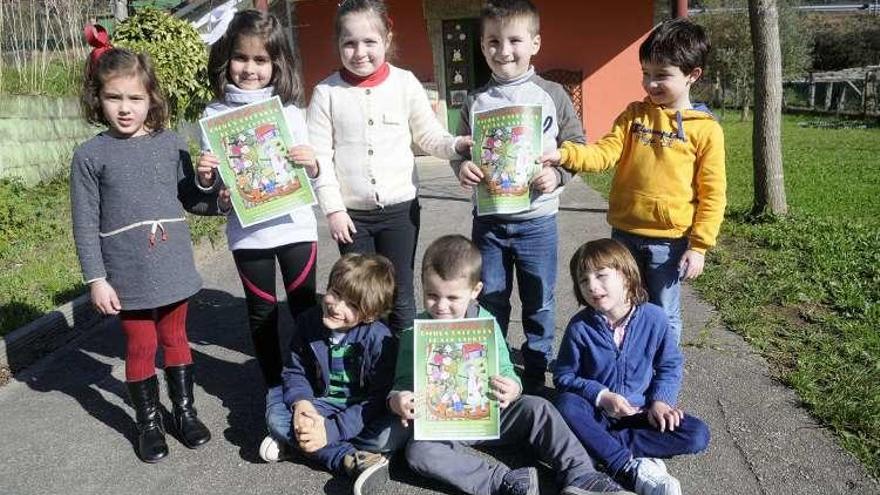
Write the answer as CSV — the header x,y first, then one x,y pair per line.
x,y
265,26
119,62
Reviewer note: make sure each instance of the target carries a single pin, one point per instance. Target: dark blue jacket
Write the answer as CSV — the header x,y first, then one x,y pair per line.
x,y
306,373
647,368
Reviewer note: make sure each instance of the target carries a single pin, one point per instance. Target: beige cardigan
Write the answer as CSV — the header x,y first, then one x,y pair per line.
x,y
362,139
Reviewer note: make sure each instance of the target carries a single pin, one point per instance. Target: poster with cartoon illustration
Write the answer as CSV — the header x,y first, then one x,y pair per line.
x,y
507,142
251,143
453,362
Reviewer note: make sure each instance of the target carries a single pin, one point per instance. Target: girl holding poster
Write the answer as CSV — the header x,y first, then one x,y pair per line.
x,y
251,63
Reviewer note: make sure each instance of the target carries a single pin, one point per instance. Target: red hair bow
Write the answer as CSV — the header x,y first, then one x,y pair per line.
x,y
97,37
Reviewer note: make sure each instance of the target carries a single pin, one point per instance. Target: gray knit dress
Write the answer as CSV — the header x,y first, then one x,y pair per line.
x,y
127,199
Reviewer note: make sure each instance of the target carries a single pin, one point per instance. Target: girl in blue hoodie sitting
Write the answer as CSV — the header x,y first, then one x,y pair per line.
x,y
619,373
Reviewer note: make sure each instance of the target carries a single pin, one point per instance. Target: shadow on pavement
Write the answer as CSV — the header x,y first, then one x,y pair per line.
x,y
85,374
218,319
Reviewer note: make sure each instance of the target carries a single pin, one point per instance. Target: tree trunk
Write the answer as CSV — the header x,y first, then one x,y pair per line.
x,y
744,99
718,92
766,141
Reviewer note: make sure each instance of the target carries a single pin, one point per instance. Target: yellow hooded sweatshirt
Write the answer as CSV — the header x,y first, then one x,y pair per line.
x,y
670,179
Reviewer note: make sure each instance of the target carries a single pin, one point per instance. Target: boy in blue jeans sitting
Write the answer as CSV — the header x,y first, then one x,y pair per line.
x,y
338,373
619,372
668,194
526,241
451,282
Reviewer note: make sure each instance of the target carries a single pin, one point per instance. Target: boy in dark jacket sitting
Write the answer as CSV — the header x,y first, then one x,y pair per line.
x,y
340,369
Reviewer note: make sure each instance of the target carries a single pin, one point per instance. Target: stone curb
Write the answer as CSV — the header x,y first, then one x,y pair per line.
x,y
27,344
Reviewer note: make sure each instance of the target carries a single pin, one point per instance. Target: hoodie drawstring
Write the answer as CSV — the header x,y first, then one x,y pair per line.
x,y
680,124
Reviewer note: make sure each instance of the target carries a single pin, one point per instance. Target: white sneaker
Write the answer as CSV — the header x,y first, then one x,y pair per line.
x,y
659,462
271,450
653,479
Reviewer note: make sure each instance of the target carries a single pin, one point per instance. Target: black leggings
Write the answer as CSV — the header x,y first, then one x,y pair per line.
x,y
256,267
392,232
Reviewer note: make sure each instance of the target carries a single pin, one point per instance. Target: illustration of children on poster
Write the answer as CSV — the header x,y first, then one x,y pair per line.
x,y
456,370
453,362
507,141
252,142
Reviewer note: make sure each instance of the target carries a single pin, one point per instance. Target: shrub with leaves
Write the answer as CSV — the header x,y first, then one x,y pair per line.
x,y
179,57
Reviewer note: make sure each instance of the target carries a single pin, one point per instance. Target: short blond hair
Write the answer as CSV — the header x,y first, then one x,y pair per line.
x,y
607,253
365,282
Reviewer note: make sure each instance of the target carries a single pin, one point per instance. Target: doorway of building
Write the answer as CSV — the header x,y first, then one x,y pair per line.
x,y
464,65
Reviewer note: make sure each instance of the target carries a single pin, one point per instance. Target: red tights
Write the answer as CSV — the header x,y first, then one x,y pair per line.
x,y
145,329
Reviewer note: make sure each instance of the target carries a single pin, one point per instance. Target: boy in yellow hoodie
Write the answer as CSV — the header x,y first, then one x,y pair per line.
x,y
668,194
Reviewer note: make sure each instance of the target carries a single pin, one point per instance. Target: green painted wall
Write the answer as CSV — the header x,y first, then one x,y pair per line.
x,y
38,135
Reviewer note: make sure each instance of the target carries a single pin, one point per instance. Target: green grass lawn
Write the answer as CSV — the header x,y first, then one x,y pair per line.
x,y
57,79
38,265
805,290
39,269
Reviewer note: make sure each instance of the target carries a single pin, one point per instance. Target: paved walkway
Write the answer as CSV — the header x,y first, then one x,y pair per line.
x,y
65,426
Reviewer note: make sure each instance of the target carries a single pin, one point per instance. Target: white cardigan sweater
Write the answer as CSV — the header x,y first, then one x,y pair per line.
x,y
362,139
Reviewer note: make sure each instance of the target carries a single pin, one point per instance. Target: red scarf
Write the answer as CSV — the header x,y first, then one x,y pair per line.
x,y
374,79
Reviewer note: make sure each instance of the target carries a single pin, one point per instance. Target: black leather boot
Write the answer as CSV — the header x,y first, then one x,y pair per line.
x,y
148,412
193,433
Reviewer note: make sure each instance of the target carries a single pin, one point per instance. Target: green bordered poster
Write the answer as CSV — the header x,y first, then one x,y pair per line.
x,y
507,142
453,362
251,143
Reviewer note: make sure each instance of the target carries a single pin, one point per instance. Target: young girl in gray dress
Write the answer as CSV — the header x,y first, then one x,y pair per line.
x,y
126,188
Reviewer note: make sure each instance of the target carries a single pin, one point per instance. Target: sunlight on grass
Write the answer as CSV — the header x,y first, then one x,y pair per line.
x,y
39,269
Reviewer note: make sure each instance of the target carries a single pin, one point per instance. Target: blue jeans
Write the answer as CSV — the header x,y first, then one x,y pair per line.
x,y
384,434
278,416
531,247
658,261
614,442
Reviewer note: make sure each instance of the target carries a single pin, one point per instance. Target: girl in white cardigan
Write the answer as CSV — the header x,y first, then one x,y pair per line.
x,y
362,121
